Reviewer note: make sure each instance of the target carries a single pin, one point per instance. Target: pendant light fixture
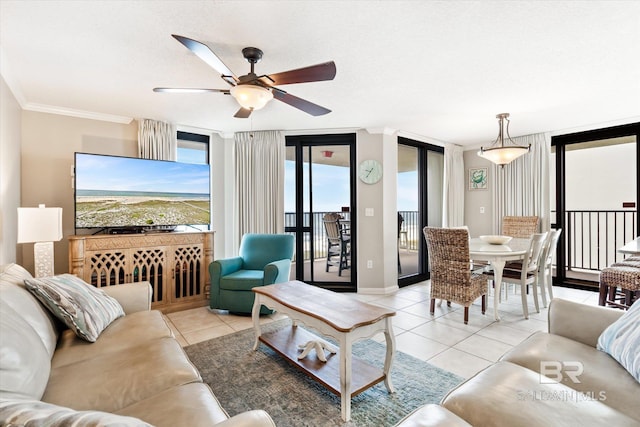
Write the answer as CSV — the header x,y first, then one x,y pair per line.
x,y
503,151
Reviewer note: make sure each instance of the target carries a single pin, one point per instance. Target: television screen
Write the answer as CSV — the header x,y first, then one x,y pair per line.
x,y
113,192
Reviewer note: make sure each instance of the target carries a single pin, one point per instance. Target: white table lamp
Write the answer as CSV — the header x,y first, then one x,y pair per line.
x,y
41,226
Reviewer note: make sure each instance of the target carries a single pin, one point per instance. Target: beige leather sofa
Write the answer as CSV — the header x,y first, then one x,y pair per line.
x,y
512,391
136,368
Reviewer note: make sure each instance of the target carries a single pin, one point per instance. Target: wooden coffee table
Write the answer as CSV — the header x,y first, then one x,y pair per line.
x,y
335,315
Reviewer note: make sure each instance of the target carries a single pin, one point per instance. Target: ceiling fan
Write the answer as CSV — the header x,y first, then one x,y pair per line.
x,y
252,91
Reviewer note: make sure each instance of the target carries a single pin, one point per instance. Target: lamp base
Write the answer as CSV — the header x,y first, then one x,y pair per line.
x,y
43,259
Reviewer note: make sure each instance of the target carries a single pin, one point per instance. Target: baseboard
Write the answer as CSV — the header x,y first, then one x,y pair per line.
x,y
378,291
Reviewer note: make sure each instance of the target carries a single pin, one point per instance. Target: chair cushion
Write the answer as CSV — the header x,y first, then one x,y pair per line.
x,y
621,340
242,280
36,413
85,309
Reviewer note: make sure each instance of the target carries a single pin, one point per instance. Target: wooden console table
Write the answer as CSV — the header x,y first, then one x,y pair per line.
x,y
176,264
335,315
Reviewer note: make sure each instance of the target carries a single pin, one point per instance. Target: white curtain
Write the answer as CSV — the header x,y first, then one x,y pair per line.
x,y
523,186
453,186
259,183
157,140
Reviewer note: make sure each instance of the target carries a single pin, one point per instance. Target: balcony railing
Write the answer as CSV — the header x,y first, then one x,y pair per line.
x,y
593,237
409,227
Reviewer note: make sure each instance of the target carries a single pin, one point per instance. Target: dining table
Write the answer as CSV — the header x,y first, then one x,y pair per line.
x,y
497,256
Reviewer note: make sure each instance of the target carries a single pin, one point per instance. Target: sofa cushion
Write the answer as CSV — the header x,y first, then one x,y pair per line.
x,y
32,311
600,373
432,416
621,340
505,394
242,280
85,309
116,380
122,334
192,405
34,413
25,363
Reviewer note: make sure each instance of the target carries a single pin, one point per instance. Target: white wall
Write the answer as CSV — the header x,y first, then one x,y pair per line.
x,y
10,141
48,145
474,200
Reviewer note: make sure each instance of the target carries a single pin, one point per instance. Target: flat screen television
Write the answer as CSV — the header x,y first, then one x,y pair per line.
x,y
115,192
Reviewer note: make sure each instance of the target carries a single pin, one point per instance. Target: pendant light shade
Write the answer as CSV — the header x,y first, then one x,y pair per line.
x,y
503,151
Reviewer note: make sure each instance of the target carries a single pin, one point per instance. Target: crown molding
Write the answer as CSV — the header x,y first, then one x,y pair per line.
x,y
422,138
52,109
383,130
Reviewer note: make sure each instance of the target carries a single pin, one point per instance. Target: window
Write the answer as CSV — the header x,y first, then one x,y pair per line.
x,y
193,148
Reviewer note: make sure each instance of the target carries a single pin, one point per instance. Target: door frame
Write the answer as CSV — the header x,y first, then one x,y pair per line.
x,y
300,142
561,142
423,206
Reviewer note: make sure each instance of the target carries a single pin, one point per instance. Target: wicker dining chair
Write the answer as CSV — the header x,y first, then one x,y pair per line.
x,y
451,278
519,226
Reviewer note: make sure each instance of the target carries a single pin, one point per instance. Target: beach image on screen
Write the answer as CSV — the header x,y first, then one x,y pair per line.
x,y
125,192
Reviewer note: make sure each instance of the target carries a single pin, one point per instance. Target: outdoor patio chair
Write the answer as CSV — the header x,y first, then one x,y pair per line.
x,y
338,243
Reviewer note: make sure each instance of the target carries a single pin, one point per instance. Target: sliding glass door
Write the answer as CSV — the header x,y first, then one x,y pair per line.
x,y
420,174
595,203
319,206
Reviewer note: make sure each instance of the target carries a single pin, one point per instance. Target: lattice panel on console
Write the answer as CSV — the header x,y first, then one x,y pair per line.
x,y
108,268
188,272
148,266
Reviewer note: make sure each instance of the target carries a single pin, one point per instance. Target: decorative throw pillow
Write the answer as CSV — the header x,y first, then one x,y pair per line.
x,y
33,413
85,309
621,340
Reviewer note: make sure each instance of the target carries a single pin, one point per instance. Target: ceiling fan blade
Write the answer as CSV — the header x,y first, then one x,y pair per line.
x,y
243,113
203,52
299,103
314,73
188,90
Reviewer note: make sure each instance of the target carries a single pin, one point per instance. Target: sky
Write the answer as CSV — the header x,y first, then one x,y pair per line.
x,y
331,188
97,172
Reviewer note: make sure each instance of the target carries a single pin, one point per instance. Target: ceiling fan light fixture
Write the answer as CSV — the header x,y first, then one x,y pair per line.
x,y
502,151
251,97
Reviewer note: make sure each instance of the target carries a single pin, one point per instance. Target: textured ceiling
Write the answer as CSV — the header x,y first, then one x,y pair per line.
x,y
440,70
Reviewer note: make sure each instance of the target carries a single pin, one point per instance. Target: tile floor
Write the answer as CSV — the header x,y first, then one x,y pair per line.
x,y
442,340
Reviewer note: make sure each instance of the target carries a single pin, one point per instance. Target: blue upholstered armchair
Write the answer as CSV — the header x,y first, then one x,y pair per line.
x,y
264,259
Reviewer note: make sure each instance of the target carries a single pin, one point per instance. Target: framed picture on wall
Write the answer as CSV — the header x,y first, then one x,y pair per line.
x,y
478,178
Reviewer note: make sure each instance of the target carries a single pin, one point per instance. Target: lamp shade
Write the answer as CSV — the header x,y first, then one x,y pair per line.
x,y
251,97
39,224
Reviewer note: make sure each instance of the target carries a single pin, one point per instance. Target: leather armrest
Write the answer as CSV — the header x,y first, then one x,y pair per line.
x,y
277,271
132,297
255,418
580,322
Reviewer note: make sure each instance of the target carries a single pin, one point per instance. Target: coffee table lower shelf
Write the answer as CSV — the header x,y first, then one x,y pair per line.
x,y
285,342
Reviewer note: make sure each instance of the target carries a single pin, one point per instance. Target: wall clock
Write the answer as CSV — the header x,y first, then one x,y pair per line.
x,y
370,171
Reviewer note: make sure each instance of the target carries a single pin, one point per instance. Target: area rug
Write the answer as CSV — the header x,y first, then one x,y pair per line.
x,y
243,379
